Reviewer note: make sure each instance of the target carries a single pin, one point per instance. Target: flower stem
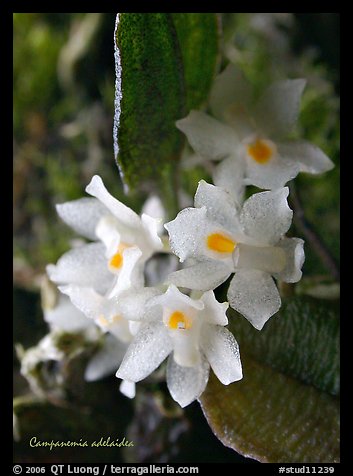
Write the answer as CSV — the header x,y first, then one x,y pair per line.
x,y
169,191
311,235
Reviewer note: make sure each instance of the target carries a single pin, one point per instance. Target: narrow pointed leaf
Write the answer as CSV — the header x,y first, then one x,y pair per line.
x,y
198,35
149,99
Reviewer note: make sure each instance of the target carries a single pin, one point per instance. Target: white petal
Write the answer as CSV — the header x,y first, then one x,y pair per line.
x,y
84,266
123,213
106,361
271,259
239,118
186,384
135,326
82,215
185,347
278,109
120,329
66,316
147,351
103,311
229,174
219,204
294,252
174,299
128,389
266,216
153,207
202,276
131,273
112,232
309,157
151,227
222,352
107,232
207,136
87,300
229,88
188,234
214,312
276,173
132,303
254,294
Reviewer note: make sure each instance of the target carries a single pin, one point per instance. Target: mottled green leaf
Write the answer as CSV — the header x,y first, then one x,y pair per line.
x,y
198,35
150,97
301,340
273,418
281,410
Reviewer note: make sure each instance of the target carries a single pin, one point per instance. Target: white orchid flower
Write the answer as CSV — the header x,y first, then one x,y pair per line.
x,y
118,318
65,317
223,239
191,332
250,139
106,312
124,241
105,362
117,315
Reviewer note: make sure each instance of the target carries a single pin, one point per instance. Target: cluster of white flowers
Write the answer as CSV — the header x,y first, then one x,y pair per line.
x,y
223,235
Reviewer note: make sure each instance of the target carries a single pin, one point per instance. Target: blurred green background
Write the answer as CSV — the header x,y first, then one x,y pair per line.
x,y
63,94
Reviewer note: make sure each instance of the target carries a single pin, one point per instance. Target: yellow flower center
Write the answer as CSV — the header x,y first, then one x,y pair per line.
x,y
103,321
117,260
116,319
178,320
261,151
220,243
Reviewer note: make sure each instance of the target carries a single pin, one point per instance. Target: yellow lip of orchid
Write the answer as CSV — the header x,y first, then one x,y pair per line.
x,y
103,321
193,337
179,320
220,243
261,150
117,260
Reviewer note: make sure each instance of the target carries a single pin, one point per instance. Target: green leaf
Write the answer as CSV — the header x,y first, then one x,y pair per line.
x,y
301,340
198,35
150,97
273,418
281,410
